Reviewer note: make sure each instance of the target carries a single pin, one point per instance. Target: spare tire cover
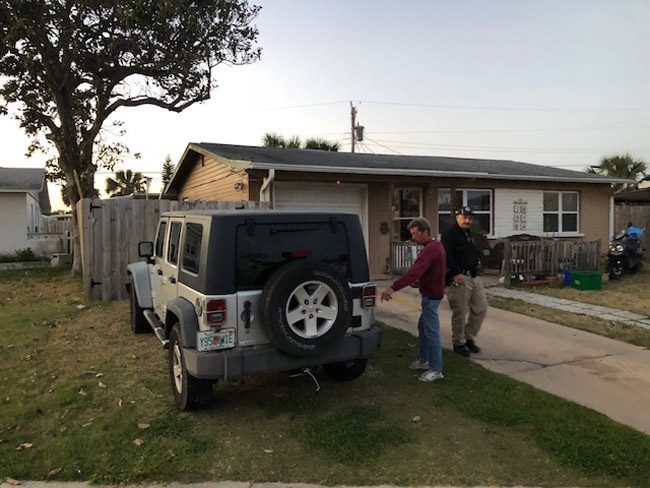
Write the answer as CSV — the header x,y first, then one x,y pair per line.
x,y
305,307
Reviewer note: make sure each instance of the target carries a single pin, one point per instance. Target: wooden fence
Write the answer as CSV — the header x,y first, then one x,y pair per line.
x,y
549,257
110,231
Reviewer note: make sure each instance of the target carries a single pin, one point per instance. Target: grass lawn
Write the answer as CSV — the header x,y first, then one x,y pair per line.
x,y
83,399
632,293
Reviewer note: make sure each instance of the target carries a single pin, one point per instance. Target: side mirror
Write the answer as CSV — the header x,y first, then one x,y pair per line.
x,y
145,249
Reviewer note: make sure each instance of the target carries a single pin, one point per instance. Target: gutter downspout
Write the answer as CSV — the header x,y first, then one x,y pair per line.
x,y
611,218
265,191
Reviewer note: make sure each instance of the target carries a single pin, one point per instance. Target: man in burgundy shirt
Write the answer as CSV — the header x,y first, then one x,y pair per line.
x,y
428,271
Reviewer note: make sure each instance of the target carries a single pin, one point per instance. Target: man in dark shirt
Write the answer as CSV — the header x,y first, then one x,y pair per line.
x,y
464,288
428,272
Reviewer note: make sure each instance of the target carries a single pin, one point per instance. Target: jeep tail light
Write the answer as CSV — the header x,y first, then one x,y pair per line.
x,y
368,296
215,311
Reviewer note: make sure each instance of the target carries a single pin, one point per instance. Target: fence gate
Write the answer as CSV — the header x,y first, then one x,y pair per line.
x,y
110,231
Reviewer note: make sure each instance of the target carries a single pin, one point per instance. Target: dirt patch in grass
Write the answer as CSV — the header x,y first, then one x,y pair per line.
x,y
81,398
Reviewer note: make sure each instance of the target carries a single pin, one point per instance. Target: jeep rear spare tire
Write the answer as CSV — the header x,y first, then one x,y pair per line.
x,y
306,307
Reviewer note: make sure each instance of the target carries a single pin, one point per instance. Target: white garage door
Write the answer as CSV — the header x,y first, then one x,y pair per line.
x,y
323,197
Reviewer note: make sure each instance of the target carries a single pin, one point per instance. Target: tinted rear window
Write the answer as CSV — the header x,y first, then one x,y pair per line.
x,y
272,245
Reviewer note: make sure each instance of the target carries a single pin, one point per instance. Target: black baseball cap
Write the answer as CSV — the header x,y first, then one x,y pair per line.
x,y
466,210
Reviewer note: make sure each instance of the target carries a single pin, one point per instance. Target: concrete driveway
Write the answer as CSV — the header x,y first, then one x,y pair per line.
x,y
605,375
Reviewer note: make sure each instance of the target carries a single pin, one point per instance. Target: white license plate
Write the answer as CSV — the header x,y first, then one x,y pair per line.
x,y
213,341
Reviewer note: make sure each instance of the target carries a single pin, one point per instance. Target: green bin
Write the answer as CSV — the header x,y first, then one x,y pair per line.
x,y
586,280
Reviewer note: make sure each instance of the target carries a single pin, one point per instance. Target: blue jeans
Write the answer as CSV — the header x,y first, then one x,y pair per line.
x,y
429,334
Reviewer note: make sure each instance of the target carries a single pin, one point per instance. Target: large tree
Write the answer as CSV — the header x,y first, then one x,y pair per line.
x,y
68,65
623,166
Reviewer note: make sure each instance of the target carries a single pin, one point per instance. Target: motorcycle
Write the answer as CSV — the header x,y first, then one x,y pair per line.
x,y
625,255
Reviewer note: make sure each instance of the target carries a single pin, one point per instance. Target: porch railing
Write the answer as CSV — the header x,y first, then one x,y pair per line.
x,y
549,257
403,254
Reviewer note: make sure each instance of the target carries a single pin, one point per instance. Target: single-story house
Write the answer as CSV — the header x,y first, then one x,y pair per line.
x,y
23,202
387,191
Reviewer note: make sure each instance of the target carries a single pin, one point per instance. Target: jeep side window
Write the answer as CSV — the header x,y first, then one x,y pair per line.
x,y
174,237
160,240
192,247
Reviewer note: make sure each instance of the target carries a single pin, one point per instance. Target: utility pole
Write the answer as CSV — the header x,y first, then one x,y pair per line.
x,y
356,129
353,117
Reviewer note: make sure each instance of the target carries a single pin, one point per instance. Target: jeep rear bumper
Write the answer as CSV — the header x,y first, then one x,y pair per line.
x,y
236,363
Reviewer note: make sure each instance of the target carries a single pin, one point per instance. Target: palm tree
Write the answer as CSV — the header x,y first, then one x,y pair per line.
x,y
125,183
321,144
272,139
624,166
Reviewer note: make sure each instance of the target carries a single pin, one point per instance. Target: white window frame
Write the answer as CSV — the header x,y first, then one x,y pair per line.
x,y
560,213
396,191
477,212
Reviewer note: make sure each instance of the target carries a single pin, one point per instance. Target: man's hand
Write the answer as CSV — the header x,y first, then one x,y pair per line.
x,y
387,295
460,279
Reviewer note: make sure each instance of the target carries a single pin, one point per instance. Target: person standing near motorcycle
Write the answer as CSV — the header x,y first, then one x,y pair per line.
x,y
464,288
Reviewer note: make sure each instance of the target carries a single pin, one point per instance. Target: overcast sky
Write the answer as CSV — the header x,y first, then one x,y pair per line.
x,y
559,83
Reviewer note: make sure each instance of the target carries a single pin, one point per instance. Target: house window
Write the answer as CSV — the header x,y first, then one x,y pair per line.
x,y
479,200
407,205
560,211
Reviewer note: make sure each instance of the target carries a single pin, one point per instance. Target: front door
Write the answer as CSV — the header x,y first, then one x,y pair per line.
x,y
168,271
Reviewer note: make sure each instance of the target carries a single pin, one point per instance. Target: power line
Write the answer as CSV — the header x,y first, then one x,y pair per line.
x,y
507,109
559,129
506,148
385,147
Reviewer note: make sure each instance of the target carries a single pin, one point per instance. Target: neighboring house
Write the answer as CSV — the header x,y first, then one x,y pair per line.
x,y
387,191
23,202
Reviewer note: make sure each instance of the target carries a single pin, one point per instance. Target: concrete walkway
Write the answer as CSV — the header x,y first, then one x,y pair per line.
x,y
580,308
605,375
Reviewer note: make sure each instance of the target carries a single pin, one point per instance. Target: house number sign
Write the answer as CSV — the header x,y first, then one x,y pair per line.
x,y
519,208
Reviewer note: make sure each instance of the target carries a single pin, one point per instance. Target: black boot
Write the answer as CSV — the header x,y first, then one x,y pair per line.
x,y
471,345
461,350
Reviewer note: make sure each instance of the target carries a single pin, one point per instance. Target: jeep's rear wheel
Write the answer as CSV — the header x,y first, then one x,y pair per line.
x,y
306,307
189,392
139,324
346,370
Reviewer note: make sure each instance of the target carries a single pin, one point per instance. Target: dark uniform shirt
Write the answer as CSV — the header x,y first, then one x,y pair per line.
x,y
462,252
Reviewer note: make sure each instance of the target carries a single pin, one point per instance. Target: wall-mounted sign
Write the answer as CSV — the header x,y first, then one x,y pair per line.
x,y
519,208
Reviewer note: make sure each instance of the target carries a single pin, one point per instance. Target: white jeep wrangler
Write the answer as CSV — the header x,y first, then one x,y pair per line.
x,y
237,293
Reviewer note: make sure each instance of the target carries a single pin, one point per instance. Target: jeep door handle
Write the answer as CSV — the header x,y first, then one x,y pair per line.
x,y
172,280
159,272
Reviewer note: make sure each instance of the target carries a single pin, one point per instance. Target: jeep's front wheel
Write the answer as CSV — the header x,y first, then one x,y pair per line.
x,y
139,324
346,370
306,307
189,392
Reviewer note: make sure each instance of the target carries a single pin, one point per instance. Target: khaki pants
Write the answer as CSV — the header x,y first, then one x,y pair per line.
x,y
469,306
